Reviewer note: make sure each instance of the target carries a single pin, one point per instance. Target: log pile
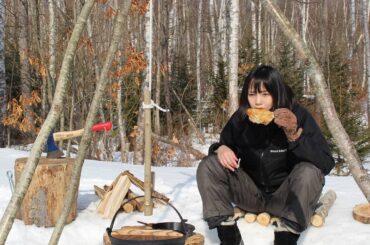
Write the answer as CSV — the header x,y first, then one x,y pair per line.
x,y
115,196
317,220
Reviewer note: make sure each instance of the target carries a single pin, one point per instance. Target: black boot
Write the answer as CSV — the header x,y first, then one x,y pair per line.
x,y
229,234
285,238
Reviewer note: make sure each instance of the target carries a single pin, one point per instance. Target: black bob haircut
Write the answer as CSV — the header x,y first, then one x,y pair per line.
x,y
268,76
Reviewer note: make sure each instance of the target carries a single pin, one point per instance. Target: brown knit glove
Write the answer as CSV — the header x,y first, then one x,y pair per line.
x,y
286,119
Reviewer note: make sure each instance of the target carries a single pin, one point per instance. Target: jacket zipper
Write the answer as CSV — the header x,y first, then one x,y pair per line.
x,y
264,174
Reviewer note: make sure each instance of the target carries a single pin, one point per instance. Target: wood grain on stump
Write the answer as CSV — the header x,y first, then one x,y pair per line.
x,y
44,199
361,212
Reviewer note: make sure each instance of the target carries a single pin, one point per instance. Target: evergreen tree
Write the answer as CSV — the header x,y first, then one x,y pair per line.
x,y
347,101
290,70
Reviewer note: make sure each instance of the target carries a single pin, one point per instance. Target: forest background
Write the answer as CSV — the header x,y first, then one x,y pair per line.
x,y
194,53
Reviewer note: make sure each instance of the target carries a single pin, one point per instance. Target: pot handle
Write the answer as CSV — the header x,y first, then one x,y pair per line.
x,y
109,229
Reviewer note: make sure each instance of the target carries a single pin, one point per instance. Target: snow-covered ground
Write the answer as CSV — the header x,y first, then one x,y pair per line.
x,y
179,184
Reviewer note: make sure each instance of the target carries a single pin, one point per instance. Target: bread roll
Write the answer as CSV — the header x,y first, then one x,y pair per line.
x,y
260,116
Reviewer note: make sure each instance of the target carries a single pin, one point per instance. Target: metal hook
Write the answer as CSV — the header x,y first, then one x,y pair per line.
x,y
11,181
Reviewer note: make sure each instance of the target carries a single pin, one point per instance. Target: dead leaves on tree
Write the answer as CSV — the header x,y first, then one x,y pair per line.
x,y
16,113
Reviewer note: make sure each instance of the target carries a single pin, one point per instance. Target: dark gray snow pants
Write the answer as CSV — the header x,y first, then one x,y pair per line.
x,y
294,200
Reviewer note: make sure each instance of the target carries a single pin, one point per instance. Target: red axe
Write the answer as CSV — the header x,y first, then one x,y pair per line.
x,y
104,126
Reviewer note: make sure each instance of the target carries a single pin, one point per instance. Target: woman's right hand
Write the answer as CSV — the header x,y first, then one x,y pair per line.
x,y
227,158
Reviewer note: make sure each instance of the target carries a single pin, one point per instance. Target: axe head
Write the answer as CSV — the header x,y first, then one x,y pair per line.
x,y
52,150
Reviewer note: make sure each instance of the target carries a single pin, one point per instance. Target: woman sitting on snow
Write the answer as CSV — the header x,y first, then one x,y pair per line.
x,y
282,164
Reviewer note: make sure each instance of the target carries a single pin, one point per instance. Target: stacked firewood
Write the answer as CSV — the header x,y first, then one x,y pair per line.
x,y
116,196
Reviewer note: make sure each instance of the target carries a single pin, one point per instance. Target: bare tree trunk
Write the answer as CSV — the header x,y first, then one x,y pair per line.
x,y
23,57
234,57
35,13
96,66
188,41
167,82
25,179
214,38
71,116
157,97
254,25
365,20
222,26
198,71
52,51
351,42
3,96
303,8
86,137
121,124
259,27
341,137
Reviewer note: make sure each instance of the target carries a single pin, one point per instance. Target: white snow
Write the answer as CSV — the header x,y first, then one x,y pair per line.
x,y
179,184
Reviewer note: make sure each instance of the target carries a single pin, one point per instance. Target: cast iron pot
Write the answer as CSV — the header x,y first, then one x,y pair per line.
x,y
185,229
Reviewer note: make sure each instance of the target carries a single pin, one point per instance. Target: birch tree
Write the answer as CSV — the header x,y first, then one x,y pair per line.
x,y
234,57
222,26
303,8
53,115
3,94
214,45
169,58
86,137
254,25
352,32
322,92
198,56
365,20
157,97
52,50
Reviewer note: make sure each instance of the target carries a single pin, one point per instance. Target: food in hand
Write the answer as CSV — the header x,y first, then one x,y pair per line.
x,y
260,116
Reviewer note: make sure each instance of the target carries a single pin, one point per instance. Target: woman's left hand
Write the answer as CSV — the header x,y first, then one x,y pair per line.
x,y
286,119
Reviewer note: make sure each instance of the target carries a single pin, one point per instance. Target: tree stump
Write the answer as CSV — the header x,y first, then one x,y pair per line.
x,y
44,200
361,212
146,233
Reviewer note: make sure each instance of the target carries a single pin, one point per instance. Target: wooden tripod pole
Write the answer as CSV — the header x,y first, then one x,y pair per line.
x,y
148,203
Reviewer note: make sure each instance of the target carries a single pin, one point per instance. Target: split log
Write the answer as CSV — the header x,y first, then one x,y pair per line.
x,y
197,154
113,199
103,204
128,207
361,212
99,192
263,219
147,233
138,203
250,217
140,184
44,199
322,210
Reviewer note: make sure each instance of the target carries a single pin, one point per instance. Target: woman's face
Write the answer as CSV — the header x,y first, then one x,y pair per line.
x,y
261,99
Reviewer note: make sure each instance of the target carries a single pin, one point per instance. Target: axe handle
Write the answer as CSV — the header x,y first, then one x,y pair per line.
x,y
67,134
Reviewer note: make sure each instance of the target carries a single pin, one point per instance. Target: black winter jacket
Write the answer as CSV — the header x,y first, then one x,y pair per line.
x,y
267,156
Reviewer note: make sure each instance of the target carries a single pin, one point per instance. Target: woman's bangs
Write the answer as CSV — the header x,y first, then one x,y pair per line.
x,y
257,85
